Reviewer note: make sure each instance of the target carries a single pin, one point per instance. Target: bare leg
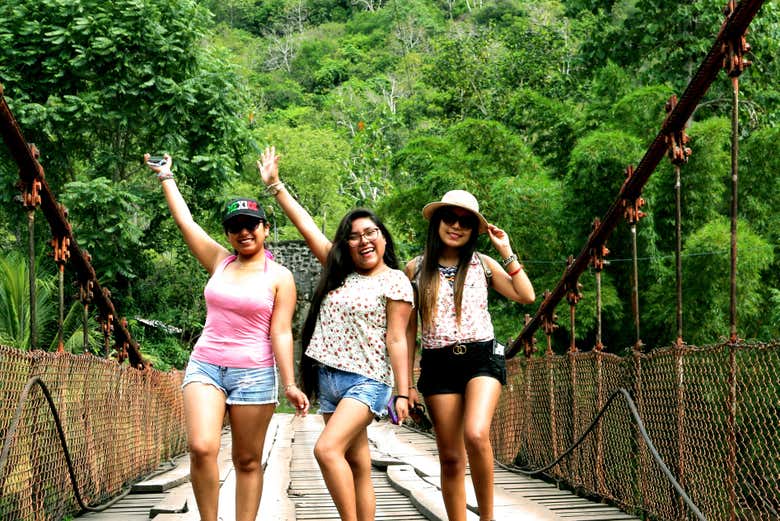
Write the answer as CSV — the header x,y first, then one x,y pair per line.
x,y
447,416
344,428
204,410
359,458
249,425
482,395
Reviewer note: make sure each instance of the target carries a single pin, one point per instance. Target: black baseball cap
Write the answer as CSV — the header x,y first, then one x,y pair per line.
x,y
242,206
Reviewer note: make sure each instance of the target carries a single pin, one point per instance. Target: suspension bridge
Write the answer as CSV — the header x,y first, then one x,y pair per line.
x,y
675,432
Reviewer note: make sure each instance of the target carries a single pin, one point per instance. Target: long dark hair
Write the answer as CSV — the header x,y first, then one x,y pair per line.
x,y
429,272
338,266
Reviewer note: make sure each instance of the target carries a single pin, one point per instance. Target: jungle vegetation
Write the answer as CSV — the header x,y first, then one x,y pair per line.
x,y
536,106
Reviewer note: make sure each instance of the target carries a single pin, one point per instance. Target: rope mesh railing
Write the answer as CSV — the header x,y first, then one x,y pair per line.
x,y
711,413
722,447
119,423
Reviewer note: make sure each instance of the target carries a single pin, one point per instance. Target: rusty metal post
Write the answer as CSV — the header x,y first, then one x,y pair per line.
x,y
61,246
31,170
734,199
31,276
527,405
31,199
681,469
640,446
597,254
633,214
678,153
678,250
549,325
573,296
107,325
601,479
734,50
85,294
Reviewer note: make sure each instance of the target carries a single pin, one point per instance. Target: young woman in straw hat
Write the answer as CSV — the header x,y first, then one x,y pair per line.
x,y
462,368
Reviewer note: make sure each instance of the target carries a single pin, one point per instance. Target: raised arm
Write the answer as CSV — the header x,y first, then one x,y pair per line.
x,y
511,279
205,249
268,166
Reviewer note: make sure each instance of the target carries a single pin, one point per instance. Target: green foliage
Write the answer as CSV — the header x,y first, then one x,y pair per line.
x,y
597,168
547,126
705,182
312,167
110,221
536,107
15,310
641,112
706,275
98,83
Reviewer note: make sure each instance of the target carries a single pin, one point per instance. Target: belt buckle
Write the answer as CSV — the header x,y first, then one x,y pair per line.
x,y
459,349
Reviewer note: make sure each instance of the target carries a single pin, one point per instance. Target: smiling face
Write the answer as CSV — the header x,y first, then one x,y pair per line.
x,y
366,246
246,234
456,226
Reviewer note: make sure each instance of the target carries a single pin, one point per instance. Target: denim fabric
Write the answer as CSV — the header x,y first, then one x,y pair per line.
x,y
253,386
336,385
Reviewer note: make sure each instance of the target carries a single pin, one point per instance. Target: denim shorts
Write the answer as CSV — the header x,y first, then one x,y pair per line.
x,y
250,386
336,384
447,370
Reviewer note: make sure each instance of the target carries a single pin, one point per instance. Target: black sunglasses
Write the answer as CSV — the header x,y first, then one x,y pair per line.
x,y
449,218
236,225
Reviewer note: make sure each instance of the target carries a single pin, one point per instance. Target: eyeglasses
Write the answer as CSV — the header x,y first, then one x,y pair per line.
x,y
236,225
449,218
371,234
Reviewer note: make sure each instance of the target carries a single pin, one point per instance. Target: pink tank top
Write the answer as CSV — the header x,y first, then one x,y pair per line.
x,y
238,321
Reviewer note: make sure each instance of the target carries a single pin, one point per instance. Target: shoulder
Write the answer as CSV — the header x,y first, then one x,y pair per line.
x,y
488,264
397,285
396,276
223,260
413,267
281,274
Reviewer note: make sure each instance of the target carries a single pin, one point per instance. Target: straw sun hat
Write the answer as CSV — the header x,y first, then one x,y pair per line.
x,y
461,199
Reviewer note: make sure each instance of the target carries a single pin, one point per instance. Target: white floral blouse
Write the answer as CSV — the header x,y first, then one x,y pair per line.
x,y
352,324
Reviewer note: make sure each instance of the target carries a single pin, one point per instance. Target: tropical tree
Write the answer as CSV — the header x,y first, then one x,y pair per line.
x,y
15,310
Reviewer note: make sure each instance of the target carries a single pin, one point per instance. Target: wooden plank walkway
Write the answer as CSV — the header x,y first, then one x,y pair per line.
x,y
310,496
405,475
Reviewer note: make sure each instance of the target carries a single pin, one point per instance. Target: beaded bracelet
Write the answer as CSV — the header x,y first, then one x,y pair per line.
x,y
274,188
162,176
506,262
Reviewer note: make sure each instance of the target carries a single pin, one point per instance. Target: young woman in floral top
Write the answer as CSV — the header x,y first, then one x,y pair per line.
x,y
462,368
354,341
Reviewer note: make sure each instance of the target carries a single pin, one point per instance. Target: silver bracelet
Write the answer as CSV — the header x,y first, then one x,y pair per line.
x,y
164,176
506,262
274,188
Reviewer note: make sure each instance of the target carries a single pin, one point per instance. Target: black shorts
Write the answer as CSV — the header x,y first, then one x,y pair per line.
x,y
447,370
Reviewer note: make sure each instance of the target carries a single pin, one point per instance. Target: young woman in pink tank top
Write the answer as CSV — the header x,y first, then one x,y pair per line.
x,y
250,301
462,368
